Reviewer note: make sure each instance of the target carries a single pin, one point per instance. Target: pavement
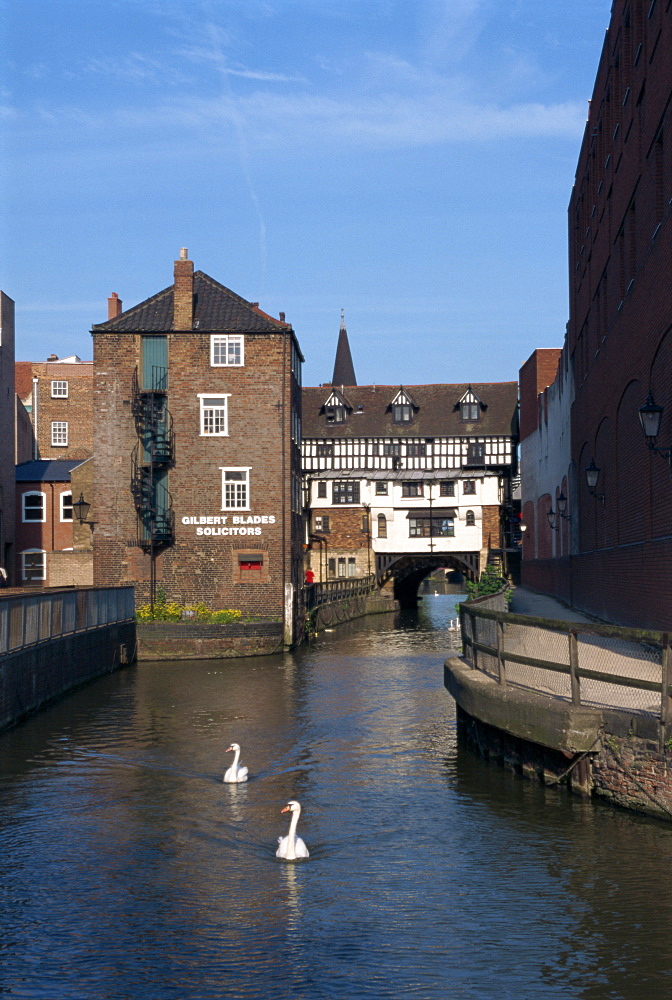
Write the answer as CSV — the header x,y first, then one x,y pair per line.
x,y
527,602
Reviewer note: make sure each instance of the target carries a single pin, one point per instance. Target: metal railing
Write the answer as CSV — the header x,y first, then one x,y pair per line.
x,y
33,618
585,663
338,590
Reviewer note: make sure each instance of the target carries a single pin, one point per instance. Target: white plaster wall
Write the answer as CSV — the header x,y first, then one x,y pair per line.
x,y
545,455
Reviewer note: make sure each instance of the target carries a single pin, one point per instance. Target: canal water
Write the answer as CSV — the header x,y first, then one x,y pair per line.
x,y
128,870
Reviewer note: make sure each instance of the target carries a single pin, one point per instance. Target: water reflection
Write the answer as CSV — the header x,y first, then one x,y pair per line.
x,y
130,870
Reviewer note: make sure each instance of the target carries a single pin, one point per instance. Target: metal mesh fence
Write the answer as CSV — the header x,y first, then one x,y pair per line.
x,y
632,670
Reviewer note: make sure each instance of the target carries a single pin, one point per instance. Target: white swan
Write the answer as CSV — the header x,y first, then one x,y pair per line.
x,y
292,847
235,773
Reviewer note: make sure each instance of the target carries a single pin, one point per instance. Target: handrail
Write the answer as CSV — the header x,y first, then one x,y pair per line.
x,y
30,618
494,641
317,594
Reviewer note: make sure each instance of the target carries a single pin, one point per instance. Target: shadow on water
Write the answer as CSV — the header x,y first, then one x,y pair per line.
x,y
130,870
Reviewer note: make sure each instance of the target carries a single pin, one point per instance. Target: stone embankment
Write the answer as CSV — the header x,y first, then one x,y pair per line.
x,y
618,747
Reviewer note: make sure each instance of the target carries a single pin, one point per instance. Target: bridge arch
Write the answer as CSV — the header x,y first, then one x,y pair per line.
x,y
409,570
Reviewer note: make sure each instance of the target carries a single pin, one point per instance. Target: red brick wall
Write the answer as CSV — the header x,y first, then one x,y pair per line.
x,y
537,373
492,535
48,535
76,409
620,328
202,567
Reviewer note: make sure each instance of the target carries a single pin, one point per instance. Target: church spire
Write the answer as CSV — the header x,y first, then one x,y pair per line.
x,y
344,370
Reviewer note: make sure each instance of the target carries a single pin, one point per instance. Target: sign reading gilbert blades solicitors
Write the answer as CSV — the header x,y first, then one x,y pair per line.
x,y
230,524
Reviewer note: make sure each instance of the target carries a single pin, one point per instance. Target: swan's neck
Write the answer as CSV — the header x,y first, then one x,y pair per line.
x,y
292,830
236,755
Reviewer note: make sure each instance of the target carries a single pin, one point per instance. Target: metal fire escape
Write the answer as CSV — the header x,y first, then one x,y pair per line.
x,y
151,458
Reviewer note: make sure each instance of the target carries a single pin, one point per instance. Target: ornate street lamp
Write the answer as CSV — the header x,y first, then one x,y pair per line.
x,y
562,507
81,509
650,416
592,475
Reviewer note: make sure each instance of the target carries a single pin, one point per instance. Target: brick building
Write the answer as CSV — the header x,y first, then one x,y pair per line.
x,y
404,479
614,555
196,450
58,395
7,437
44,524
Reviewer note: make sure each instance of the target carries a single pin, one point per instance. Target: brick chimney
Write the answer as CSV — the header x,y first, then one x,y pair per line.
x,y
114,305
183,292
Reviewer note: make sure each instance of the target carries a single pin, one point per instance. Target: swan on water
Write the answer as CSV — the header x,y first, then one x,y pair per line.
x,y
235,773
292,847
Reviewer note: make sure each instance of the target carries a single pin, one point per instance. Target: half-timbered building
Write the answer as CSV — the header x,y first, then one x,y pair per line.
x,y
403,479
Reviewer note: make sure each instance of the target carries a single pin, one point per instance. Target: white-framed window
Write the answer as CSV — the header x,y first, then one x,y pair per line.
x,y
34,506
236,489
214,414
66,506
226,350
33,564
59,389
59,433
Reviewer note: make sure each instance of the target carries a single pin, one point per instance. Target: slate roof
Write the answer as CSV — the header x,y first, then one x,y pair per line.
x,y
344,370
437,415
47,470
216,308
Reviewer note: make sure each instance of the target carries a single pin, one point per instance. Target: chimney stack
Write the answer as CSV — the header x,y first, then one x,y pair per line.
x,y
183,292
114,305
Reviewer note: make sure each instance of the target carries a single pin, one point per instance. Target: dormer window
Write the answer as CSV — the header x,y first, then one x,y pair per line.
x,y
335,414
471,407
402,408
402,413
335,409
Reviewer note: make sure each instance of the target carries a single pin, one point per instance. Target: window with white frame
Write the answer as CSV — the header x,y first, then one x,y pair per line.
x,y
322,523
34,506
236,489
227,350
59,389
66,506
33,564
59,433
214,415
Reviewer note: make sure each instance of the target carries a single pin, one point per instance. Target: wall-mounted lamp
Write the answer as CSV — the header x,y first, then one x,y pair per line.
x,y
81,509
523,527
551,520
592,475
562,507
650,416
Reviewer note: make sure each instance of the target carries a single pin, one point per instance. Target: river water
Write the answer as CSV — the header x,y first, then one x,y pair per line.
x,y
128,870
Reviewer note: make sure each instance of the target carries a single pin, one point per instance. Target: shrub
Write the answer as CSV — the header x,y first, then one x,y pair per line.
x,y
171,611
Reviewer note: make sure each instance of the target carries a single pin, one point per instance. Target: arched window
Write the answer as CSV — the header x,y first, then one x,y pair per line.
x,y
33,564
382,526
470,519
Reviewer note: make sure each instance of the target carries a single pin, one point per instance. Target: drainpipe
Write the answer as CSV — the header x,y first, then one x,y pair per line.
x,y
35,446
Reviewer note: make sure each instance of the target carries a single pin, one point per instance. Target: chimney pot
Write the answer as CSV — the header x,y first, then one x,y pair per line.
x,y
183,292
282,317
114,305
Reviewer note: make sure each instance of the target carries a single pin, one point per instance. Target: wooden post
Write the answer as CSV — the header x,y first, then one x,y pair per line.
x,y
500,652
666,681
573,668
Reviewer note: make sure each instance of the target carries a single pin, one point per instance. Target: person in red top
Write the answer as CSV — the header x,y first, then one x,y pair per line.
x,y
310,577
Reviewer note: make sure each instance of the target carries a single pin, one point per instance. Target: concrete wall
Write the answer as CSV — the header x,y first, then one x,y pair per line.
x,y
37,675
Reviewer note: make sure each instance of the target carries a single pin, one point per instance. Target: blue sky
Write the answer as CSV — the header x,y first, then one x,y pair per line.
x,y
409,161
